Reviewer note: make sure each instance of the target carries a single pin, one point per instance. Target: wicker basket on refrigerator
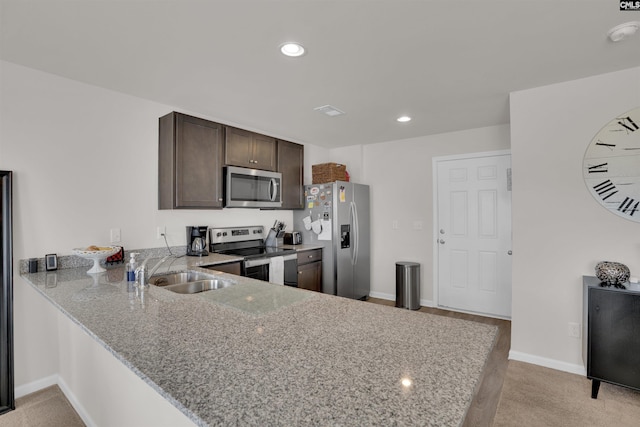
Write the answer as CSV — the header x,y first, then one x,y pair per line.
x,y
328,172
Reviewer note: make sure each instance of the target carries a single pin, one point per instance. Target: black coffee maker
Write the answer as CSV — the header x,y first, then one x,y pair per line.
x,y
197,240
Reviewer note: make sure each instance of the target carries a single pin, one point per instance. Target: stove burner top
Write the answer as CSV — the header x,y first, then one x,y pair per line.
x,y
257,252
247,242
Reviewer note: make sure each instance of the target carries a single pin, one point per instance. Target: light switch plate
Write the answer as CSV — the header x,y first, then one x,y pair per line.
x,y
115,235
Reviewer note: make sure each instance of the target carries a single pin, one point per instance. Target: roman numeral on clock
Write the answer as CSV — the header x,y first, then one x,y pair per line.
x,y
598,168
605,189
602,144
628,207
628,123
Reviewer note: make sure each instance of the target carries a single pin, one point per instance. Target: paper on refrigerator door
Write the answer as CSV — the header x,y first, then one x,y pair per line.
x,y
307,222
325,234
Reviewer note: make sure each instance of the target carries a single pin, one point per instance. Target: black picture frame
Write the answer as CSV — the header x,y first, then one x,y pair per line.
x,y
51,262
7,393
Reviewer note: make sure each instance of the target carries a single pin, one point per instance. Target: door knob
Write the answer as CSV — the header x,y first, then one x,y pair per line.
x,y
441,241
509,252
442,231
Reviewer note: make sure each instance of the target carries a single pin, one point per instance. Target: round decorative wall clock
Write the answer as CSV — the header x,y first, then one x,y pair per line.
x,y
611,165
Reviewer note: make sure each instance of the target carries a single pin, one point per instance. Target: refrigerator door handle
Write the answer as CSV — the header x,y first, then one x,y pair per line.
x,y
354,231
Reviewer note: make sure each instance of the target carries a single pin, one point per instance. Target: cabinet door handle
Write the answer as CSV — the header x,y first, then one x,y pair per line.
x,y
310,256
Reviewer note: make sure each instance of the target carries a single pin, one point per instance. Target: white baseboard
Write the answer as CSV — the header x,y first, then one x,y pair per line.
x,y
392,297
43,383
76,404
34,386
548,363
389,297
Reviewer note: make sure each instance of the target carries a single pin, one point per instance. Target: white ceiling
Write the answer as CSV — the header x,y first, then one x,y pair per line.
x,y
449,64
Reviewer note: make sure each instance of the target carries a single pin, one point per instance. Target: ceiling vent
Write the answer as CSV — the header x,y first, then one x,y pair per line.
x,y
329,110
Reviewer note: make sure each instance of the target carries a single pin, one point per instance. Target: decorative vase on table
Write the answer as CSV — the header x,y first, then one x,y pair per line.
x,y
612,274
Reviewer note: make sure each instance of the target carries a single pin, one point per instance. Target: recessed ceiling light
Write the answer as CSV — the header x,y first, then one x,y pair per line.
x,y
404,119
623,31
292,49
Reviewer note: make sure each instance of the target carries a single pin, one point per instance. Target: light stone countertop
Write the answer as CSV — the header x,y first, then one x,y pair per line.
x,y
261,354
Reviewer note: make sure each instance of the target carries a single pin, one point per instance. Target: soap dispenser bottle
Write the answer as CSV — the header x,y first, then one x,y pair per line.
x,y
131,267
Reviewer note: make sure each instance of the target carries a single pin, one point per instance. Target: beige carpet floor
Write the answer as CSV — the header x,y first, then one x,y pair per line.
x,y
532,396
536,396
47,407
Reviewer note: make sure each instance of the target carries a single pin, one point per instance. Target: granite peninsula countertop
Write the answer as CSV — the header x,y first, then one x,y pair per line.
x,y
261,354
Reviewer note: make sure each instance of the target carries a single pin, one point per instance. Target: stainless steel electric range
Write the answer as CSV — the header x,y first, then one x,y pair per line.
x,y
261,262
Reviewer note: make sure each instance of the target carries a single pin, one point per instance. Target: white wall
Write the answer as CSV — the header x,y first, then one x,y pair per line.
x,y
559,231
85,161
401,180
352,158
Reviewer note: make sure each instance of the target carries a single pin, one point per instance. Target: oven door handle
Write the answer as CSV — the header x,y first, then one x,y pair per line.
x,y
248,263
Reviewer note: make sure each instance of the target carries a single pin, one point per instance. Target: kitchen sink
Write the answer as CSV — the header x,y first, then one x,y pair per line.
x,y
189,282
177,278
199,286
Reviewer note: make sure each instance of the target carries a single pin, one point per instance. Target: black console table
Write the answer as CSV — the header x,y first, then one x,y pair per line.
x,y
611,339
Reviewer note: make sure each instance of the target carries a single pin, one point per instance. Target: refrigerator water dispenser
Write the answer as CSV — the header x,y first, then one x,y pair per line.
x,y
345,236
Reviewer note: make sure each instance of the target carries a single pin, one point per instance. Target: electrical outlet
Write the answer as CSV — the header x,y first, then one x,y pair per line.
x,y
417,225
394,224
161,231
574,330
115,235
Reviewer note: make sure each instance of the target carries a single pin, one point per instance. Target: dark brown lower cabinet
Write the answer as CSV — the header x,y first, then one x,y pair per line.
x,y
310,270
612,335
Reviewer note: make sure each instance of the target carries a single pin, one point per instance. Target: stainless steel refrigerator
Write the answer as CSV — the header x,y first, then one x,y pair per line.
x,y
336,216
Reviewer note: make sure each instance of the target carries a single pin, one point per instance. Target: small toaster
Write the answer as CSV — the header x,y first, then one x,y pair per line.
x,y
293,238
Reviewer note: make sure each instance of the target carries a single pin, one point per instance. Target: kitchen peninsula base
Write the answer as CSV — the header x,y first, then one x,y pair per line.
x,y
257,353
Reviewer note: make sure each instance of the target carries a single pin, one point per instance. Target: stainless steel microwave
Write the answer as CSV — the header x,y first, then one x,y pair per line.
x,y
252,188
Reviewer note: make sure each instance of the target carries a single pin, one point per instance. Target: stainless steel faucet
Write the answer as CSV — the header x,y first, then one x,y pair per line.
x,y
141,272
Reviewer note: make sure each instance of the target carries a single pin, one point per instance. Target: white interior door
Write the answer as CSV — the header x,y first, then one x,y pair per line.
x,y
474,234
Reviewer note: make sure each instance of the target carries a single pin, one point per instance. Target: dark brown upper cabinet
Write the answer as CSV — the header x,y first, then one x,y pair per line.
x,y
249,149
291,166
190,163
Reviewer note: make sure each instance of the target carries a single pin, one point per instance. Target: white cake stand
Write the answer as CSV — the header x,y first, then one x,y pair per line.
x,y
96,256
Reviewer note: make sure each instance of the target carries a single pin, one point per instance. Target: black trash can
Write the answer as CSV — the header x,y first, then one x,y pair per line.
x,y
408,285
